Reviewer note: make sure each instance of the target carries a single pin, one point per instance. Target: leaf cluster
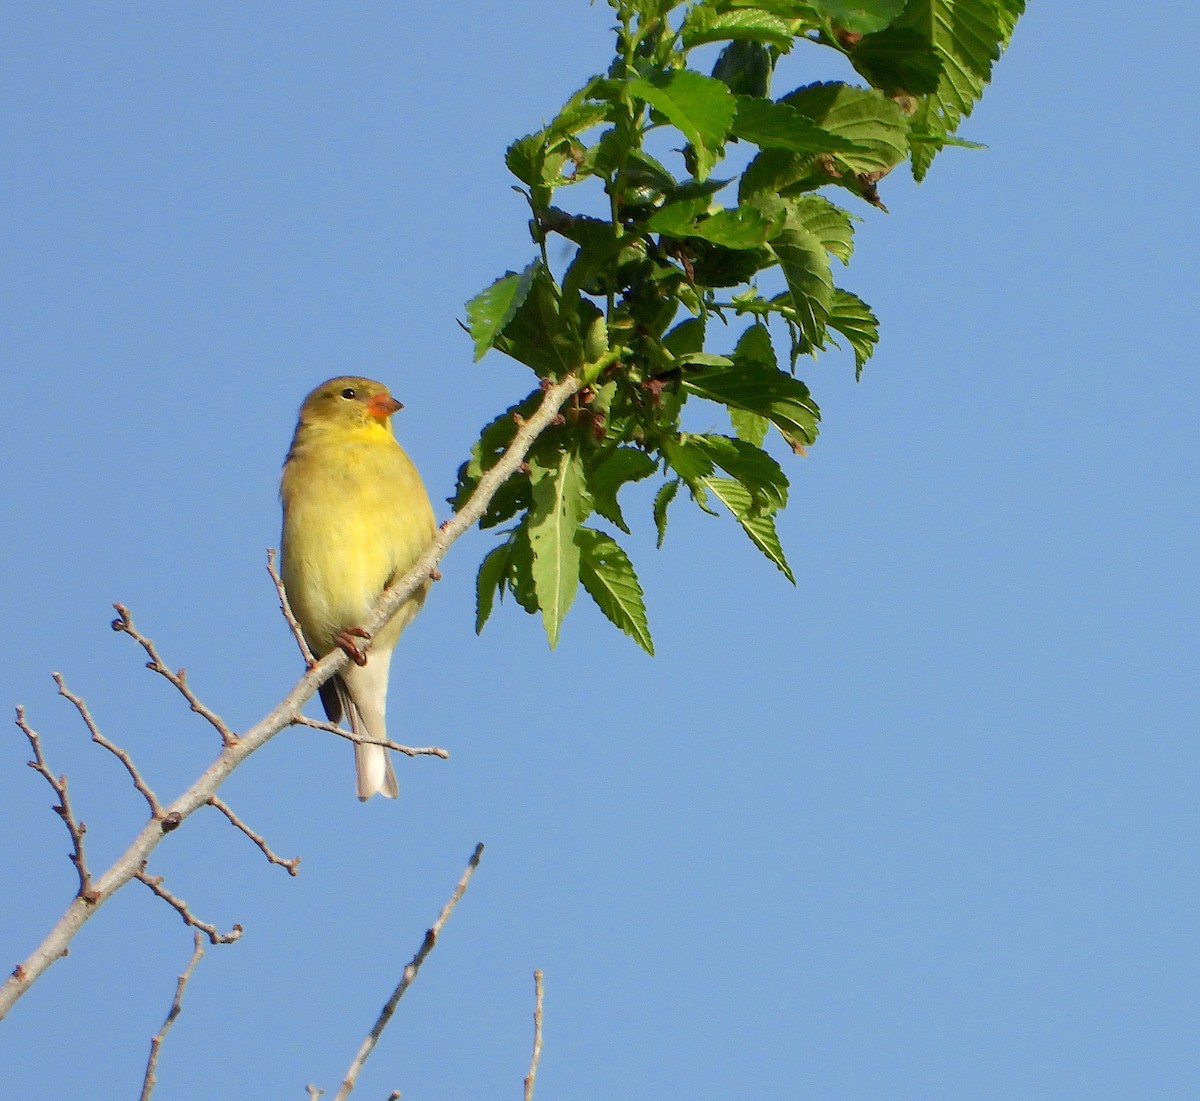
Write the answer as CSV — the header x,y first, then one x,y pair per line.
x,y
681,254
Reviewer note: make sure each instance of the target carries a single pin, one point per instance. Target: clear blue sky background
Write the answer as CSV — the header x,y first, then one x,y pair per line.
x,y
924,827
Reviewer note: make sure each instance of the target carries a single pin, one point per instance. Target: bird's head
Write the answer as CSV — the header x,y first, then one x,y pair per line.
x,y
349,401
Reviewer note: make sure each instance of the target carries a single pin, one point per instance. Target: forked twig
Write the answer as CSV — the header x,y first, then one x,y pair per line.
x,y
531,1077
215,936
286,608
407,750
62,808
151,1078
406,979
178,677
292,864
120,754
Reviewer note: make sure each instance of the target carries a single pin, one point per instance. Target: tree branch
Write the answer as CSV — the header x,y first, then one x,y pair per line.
x,y
156,810
286,608
215,936
292,864
350,736
285,714
406,979
531,1077
62,808
151,1079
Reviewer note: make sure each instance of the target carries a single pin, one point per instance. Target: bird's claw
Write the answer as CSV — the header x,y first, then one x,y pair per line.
x,y
345,640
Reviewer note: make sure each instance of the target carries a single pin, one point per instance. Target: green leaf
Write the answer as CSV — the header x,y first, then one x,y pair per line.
x,y
490,310
742,227
749,426
608,576
805,265
745,68
687,338
490,580
828,222
968,36
864,116
758,525
762,476
897,61
859,16
622,465
520,576
870,120
700,108
663,498
544,333
704,24
759,388
559,505
780,126
691,463
853,318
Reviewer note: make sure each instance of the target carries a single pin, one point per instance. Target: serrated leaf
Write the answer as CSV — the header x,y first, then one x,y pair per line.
x,y
864,116
490,581
490,310
762,476
691,463
805,266
609,578
749,426
745,68
859,16
520,575
544,333
663,498
780,126
853,318
758,525
968,37
898,60
828,222
687,338
758,388
559,504
699,107
704,24
618,467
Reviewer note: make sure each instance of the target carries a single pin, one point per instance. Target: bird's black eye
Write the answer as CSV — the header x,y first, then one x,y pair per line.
x,y
349,393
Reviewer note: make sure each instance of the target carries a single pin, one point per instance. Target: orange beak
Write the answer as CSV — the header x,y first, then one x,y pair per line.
x,y
382,406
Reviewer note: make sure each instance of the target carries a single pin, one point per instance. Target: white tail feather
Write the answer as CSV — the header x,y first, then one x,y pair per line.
x,y
363,691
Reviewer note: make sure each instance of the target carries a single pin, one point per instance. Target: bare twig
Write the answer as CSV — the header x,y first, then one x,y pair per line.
x,y
215,936
151,1079
531,1077
406,979
408,750
178,677
314,1094
120,754
286,608
284,714
292,864
62,808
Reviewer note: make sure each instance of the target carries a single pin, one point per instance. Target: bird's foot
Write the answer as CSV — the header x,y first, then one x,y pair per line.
x,y
345,639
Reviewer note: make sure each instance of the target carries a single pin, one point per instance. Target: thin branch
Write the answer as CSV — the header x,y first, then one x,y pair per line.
x,y
350,736
151,1079
531,1077
126,867
215,936
406,979
286,608
314,1094
120,754
124,624
292,864
62,808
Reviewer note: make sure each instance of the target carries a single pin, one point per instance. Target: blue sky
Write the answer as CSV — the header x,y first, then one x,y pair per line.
x,y
923,827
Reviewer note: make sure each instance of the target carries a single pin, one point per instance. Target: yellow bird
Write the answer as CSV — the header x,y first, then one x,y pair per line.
x,y
355,517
